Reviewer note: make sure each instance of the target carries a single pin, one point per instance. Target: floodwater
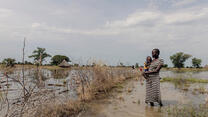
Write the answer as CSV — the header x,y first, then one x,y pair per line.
x,y
131,103
201,74
63,82
125,102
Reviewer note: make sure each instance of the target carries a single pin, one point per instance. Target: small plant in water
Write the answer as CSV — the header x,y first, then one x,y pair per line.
x,y
201,90
189,110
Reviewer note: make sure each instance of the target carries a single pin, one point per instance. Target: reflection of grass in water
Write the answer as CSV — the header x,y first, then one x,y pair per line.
x,y
54,68
184,83
201,90
189,110
60,73
183,80
57,85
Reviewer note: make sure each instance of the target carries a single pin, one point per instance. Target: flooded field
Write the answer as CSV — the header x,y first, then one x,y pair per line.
x,y
128,100
42,85
62,81
200,74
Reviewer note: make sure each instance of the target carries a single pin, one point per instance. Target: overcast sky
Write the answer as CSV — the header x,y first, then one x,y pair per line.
x,y
112,30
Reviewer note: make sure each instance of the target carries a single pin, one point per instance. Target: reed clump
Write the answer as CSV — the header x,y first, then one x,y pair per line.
x,y
93,83
104,79
67,109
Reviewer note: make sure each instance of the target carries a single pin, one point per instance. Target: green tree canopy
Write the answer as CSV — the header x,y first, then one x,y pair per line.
x,y
121,64
179,58
165,65
137,65
57,59
9,62
196,62
39,55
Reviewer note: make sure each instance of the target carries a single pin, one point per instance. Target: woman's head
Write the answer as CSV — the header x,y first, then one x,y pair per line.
x,y
155,53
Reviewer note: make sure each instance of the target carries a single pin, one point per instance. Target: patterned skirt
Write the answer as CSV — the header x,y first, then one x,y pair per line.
x,y
153,89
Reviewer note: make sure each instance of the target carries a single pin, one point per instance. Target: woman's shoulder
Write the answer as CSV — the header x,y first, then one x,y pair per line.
x,y
161,60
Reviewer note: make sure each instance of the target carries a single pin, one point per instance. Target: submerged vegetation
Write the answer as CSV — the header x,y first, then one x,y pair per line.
x,y
189,110
181,70
69,108
200,89
86,84
103,80
184,80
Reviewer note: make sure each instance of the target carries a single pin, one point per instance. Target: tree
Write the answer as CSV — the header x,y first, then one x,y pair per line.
x,y
28,63
137,65
121,64
165,65
196,62
179,58
57,59
9,62
39,55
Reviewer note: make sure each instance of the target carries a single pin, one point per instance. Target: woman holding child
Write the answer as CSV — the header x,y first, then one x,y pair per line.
x,y
153,79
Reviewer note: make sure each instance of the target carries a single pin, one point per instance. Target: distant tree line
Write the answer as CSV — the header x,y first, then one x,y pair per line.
x,y
39,55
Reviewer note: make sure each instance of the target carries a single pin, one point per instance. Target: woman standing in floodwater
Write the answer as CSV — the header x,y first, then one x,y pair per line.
x,y
153,79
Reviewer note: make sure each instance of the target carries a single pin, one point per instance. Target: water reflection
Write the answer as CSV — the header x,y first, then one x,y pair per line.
x,y
59,73
152,112
64,83
202,74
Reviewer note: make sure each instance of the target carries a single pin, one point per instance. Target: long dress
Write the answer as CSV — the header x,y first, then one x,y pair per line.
x,y
153,83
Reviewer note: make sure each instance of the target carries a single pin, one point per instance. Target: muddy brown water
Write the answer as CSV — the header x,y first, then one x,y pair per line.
x,y
123,104
200,74
129,103
62,80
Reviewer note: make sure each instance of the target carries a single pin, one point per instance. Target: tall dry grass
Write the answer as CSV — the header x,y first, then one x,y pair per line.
x,y
67,109
102,80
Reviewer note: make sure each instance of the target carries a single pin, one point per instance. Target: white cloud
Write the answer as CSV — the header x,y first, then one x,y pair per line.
x,y
159,17
186,16
134,19
35,25
134,22
98,31
5,12
183,2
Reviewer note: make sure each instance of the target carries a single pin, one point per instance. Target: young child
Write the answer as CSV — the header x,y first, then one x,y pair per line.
x,y
146,67
147,63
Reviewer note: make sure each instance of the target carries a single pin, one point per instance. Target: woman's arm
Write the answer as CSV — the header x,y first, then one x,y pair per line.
x,y
155,71
144,75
